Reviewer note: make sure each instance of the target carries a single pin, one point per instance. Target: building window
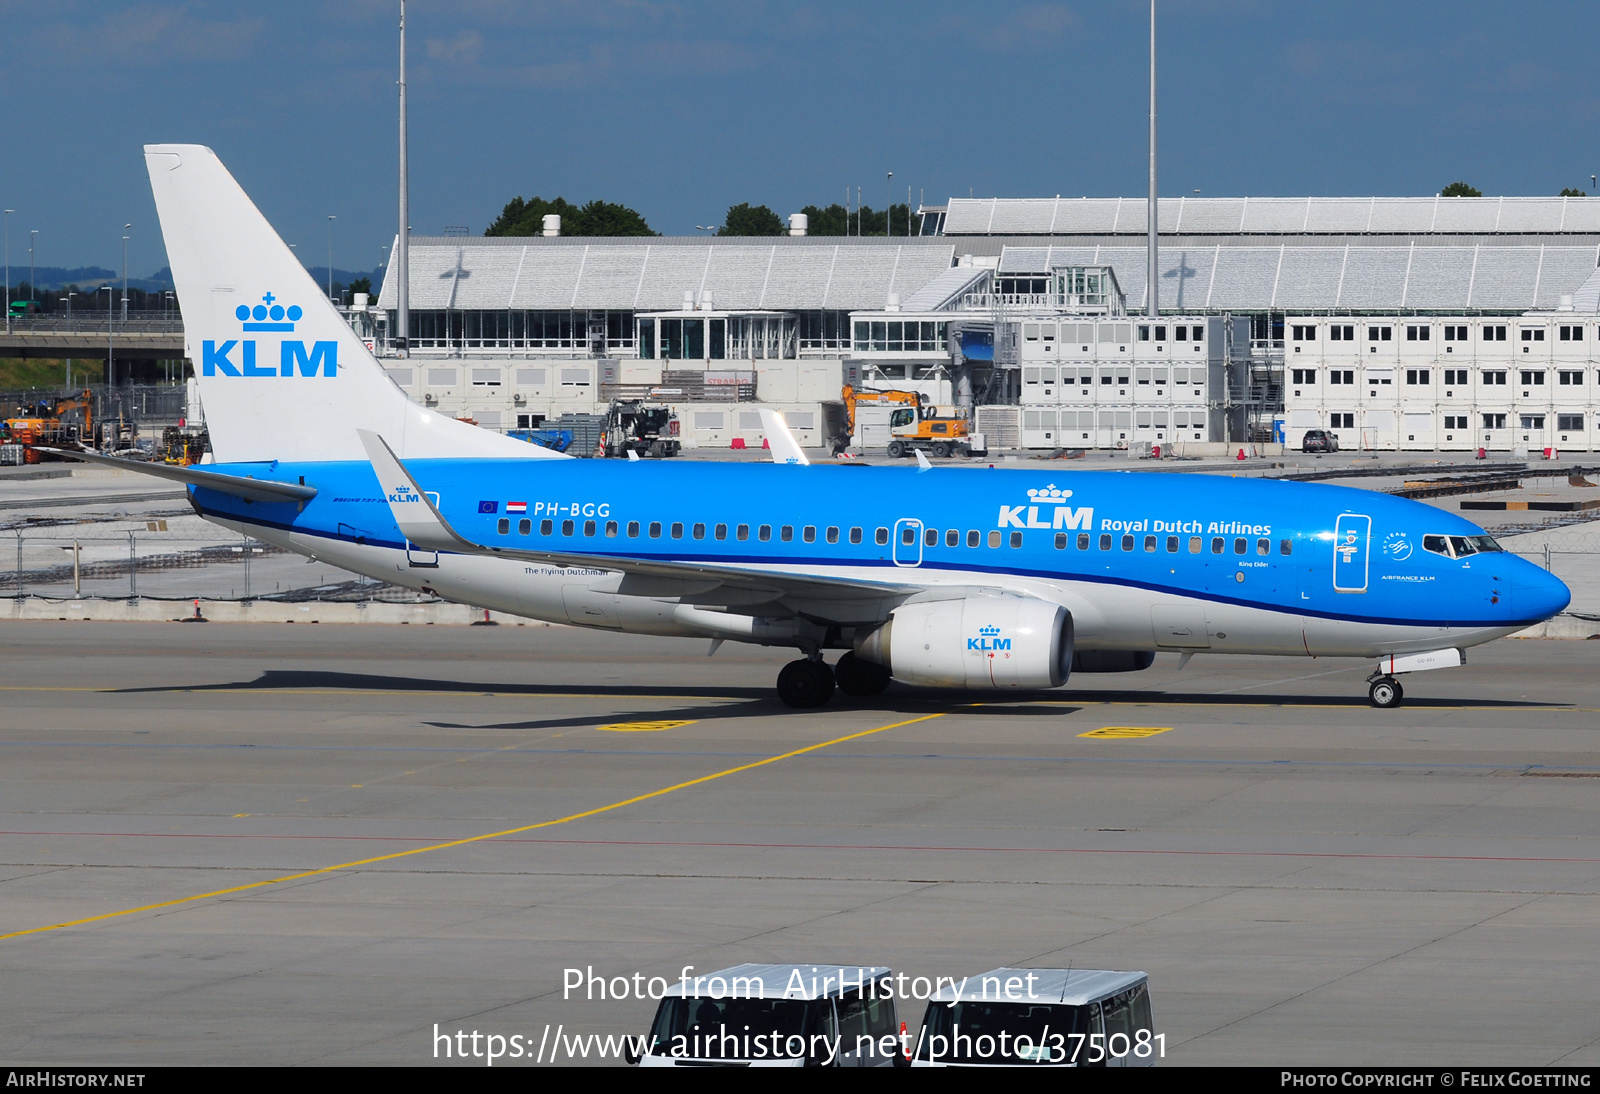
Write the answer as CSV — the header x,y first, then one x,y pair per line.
x,y
1455,334
1379,334
1455,421
1455,377
1305,375
1571,334
1533,334
1341,421
1569,421
1531,377
1337,333
1494,421
1570,378
1417,333
1494,334
1341,376
1415,376
1300,334
1493,378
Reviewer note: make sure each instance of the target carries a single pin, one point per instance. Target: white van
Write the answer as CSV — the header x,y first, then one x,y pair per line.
x,y
778,1016
1054,1017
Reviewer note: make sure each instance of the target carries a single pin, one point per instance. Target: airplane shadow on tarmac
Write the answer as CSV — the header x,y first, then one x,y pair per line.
x,y
761,702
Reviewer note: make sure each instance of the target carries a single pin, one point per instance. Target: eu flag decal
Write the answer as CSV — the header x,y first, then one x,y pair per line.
x,y
488,507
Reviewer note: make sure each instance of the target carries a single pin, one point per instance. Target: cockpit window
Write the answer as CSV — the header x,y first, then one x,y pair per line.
x,y
1460,546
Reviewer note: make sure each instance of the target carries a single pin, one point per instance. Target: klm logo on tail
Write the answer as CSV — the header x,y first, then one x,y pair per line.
x,y
294,359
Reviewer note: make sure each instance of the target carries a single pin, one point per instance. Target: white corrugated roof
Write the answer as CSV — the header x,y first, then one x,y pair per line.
x,y
491,274
1274,216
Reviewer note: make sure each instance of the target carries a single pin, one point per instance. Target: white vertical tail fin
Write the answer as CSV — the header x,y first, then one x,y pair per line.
x,y
281,375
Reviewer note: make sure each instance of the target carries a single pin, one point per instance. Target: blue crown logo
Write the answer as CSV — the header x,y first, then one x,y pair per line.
x,y
1049,494
989,632
268,315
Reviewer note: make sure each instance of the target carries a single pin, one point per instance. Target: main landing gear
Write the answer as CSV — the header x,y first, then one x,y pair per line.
x,y
1385,692
811,683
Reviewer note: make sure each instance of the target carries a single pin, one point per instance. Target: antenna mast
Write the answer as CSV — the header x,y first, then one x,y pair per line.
x,y
402,269
1152,273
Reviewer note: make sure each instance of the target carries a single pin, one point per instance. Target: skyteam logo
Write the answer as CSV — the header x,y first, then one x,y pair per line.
x,y
238,357
988,640
1064,517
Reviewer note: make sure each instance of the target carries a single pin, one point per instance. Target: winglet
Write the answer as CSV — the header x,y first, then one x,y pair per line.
x,y
414,511
785,449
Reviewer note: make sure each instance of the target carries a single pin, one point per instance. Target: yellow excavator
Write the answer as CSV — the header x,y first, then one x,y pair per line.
x,y
903,421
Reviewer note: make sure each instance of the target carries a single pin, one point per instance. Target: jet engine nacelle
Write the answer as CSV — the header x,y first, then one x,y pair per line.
x,y
977,642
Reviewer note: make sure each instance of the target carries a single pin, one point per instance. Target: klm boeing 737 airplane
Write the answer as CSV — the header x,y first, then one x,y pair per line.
x,y
936,577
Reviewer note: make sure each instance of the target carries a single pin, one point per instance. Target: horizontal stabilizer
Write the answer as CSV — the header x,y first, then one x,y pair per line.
x,y
240,486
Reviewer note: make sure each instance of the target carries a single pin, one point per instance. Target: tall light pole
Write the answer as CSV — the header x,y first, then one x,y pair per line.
x,y
403,251
8,269
70,295
330,256
1153,277
125,228
111,355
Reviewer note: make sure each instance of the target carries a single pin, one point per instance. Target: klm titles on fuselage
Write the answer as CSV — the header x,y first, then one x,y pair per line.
x,y
294,359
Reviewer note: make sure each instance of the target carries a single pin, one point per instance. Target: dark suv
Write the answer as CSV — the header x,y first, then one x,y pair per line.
x,y
1319,440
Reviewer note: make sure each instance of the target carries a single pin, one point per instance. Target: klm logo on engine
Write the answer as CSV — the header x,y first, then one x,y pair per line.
x,y
988,640
1064,517
239,357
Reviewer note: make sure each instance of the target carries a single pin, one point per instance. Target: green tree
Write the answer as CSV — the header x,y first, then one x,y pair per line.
x,y
361,284
1460,190
1570,192
831,221
745,219
597,218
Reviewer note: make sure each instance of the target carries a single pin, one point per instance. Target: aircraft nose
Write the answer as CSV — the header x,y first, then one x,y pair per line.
x,y
1541,594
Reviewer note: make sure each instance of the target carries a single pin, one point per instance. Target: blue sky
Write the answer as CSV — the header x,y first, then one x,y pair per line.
x,y
681,109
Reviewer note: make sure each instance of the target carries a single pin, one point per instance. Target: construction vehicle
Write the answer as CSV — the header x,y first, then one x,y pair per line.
x,y
557,440
903,422
52,423
644,428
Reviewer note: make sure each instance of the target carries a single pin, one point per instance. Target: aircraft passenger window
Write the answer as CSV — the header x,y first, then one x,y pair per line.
x,y
1194,545
1263,546
1149,543
930,538
524,527
855,535
1439,545
974,538
1172,545
1286,546
1216,546
588,527
548,527
952,538
566,527
1061,541
764,533
1083,541
655,529
698,531
881,536
633,529
1016,539
742,533
1127,543
503,525
1240,546
611,528
1105,541
908,535
720,531
786,533
677,530
994,539
809,533
832,534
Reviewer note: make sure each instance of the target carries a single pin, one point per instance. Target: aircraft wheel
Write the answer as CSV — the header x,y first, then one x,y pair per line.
x,y
859,677
942,450
804,684
1386,693
897,450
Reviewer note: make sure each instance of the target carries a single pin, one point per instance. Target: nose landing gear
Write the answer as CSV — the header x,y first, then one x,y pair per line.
x,y
1385,692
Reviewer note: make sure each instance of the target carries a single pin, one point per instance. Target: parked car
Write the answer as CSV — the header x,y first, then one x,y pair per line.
x,y
1319,440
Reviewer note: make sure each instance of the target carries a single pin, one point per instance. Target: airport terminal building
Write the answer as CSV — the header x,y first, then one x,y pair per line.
x,y
1398,323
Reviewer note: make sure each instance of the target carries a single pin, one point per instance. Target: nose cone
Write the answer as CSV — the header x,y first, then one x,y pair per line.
x,y
1541,594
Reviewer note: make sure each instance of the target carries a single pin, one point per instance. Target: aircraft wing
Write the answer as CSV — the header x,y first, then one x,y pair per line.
x,y
240,486
422,523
